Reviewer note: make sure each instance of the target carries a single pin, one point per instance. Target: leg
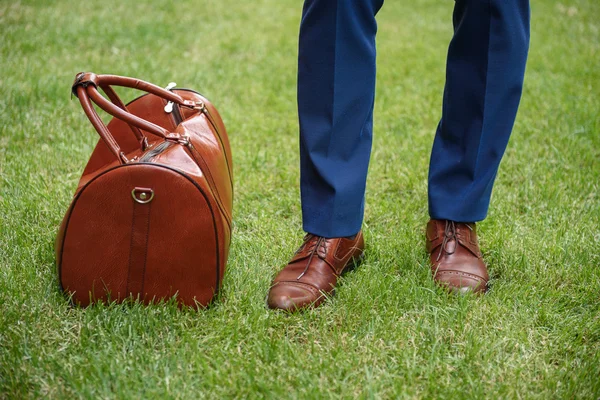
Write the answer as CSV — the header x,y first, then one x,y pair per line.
x,y
336,90
484,79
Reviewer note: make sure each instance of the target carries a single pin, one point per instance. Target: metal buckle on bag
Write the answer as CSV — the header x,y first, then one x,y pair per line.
x,y
142,195
177,138
185,140
195,105
127,160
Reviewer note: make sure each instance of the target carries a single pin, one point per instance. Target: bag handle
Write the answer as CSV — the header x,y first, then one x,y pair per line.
x,y
85,88
116,100
103,131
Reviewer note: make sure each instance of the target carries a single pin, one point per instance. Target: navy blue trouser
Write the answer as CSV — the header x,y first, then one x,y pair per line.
x,y
336,92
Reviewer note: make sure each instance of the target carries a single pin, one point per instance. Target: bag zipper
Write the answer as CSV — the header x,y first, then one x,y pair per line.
x,y
154,151
175,111
177,115
151,154
210,119
206,171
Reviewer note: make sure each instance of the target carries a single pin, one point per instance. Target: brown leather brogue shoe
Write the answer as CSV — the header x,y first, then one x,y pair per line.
x,y
456,261
313,272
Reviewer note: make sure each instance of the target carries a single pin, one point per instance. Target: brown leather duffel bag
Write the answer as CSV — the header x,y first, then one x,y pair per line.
x,y
151,216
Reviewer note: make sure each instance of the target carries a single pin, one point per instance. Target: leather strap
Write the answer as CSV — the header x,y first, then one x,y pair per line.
x,y
133,83
117,112
116,100
102,130
140,227
85,87
87,79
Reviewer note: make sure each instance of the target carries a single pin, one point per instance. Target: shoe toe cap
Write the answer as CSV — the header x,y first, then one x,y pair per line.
x,y
461,283
291,296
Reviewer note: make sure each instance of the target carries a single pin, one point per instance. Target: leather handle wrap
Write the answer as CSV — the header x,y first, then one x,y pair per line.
x,y
85,87
90,79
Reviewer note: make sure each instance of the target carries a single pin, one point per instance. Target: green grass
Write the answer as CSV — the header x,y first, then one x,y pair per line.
x,y
388,332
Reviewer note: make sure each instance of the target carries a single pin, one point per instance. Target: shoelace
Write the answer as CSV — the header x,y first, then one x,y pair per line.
x,y
314,246
449,234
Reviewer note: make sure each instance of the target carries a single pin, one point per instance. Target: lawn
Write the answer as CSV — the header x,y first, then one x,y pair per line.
x,y
388,332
